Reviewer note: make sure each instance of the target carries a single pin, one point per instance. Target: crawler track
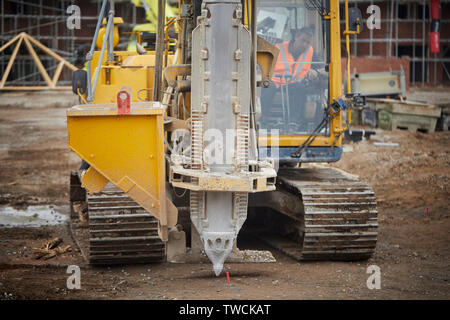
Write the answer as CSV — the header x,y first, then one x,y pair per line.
x,y
121,231
338,219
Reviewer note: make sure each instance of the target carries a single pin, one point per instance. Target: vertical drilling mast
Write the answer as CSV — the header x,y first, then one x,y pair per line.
x,y
220,133
221,100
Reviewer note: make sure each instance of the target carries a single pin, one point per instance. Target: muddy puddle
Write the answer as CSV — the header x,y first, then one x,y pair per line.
x,y
32,216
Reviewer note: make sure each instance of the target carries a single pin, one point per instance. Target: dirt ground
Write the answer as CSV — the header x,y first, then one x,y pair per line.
x,y
411,182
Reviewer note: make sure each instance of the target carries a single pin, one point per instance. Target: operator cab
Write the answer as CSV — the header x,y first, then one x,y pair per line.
x,y
294,105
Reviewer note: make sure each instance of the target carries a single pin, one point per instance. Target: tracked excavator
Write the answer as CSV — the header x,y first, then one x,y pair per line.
x,y
184,143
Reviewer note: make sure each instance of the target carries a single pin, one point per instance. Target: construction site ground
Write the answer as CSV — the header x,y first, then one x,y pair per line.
x,y
411,182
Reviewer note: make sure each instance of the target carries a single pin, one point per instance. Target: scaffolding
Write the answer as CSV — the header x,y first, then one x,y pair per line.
x,y
45,21
421,62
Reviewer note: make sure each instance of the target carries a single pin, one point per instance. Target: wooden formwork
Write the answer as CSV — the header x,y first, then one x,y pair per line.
x,y
408,115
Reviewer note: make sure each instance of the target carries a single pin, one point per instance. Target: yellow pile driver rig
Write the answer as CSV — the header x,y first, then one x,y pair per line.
x,y
214,123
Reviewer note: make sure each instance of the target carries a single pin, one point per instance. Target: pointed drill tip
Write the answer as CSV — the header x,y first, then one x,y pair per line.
x,y
218,269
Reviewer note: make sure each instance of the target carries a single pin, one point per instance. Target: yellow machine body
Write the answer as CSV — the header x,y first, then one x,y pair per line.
x,y
129,150
133,164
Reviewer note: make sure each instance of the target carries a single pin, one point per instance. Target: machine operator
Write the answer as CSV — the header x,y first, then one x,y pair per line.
x,y
296,63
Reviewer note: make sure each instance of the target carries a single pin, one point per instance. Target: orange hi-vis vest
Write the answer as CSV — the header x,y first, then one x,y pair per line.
x,y
286,69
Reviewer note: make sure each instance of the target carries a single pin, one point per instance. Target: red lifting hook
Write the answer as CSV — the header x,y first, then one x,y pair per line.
x,y
123,102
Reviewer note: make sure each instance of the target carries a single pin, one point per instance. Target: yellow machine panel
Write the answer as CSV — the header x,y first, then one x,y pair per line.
x,y
133,71
127,150
113,79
